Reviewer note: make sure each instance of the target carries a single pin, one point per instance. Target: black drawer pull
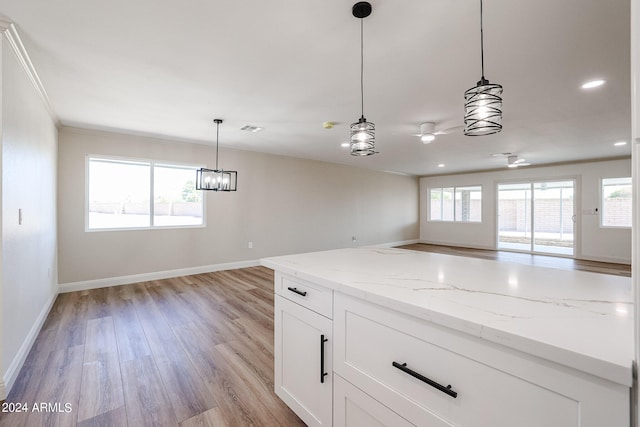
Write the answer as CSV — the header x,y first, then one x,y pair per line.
x,y
322,372
295,290
447,389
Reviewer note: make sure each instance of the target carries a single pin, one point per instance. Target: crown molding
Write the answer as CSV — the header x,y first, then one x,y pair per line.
x,y
9,31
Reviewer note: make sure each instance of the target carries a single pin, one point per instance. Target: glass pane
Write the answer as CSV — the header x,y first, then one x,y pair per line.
x,y
616,202
553,217
119,194
447,204
468,204
514,216
435,203
176,201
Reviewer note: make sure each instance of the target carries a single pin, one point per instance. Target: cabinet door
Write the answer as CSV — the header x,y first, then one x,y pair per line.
x,y
354,408
303,352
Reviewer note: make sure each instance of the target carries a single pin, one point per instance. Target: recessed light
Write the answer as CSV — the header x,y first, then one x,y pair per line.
x,y
345,145
620,143
592,84
441,165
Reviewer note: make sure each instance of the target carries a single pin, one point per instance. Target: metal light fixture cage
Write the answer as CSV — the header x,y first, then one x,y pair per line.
x,y
363,133
483,103
363,138
483,109
216,179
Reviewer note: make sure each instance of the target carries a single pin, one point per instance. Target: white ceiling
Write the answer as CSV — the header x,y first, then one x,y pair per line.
x,y
167,68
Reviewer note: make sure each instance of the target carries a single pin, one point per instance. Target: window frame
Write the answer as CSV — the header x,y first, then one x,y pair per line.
x,y
454,190
151,164
602,204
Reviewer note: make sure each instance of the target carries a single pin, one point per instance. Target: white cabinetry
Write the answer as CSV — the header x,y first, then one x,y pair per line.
x,y
439,377
303,349
406,347
354,408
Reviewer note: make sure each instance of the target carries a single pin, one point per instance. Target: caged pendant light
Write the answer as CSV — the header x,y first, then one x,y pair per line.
x,y
362,132
216,179
483,103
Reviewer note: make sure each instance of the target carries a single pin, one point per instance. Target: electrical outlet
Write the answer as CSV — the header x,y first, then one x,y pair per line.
x,y
250,245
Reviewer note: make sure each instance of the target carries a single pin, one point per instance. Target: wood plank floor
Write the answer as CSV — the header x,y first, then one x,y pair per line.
x,y
189,351
529,259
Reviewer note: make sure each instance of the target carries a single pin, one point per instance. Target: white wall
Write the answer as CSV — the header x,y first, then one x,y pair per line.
x,y
283,205
593,241
29,146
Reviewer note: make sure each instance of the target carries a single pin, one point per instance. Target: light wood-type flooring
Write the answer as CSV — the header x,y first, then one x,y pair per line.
x,y
189,351
523,258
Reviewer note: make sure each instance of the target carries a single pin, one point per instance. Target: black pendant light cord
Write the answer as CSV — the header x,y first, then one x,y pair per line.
x,y
481,43
217,138
361,67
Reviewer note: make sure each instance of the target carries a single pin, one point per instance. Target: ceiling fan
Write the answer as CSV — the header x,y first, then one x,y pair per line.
x,y
428,131
514,162
512,159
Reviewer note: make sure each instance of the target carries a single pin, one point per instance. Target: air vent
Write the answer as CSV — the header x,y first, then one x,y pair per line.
x,y
250,128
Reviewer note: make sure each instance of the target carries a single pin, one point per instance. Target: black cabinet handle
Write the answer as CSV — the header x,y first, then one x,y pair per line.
x,y
322,372
447,389
295,290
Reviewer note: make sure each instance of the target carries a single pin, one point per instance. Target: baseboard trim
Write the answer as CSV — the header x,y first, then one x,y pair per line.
x,y
157,275
10,377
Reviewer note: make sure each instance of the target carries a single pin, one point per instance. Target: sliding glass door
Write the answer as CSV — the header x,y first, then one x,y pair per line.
x,y
537,217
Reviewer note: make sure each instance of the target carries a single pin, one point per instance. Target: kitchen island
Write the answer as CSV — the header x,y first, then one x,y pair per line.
x,y
400,337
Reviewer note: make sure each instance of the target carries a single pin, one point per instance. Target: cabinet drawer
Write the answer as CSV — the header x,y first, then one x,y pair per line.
x,y
354,408
309,295
490,392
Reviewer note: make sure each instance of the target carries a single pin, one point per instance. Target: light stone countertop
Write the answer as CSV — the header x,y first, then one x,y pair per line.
x,y
575,318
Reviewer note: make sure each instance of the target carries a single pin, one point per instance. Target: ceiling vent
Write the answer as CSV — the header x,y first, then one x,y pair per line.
x,y
250,128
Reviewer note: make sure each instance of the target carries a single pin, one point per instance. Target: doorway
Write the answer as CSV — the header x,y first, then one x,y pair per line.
x,y
537,217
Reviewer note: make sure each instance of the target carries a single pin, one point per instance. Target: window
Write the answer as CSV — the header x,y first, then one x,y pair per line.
x,y
616,202
468,201
141,194
441,204
460,204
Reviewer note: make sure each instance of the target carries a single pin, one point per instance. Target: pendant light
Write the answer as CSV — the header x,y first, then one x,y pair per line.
x,y
483,103
216,179
362,132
